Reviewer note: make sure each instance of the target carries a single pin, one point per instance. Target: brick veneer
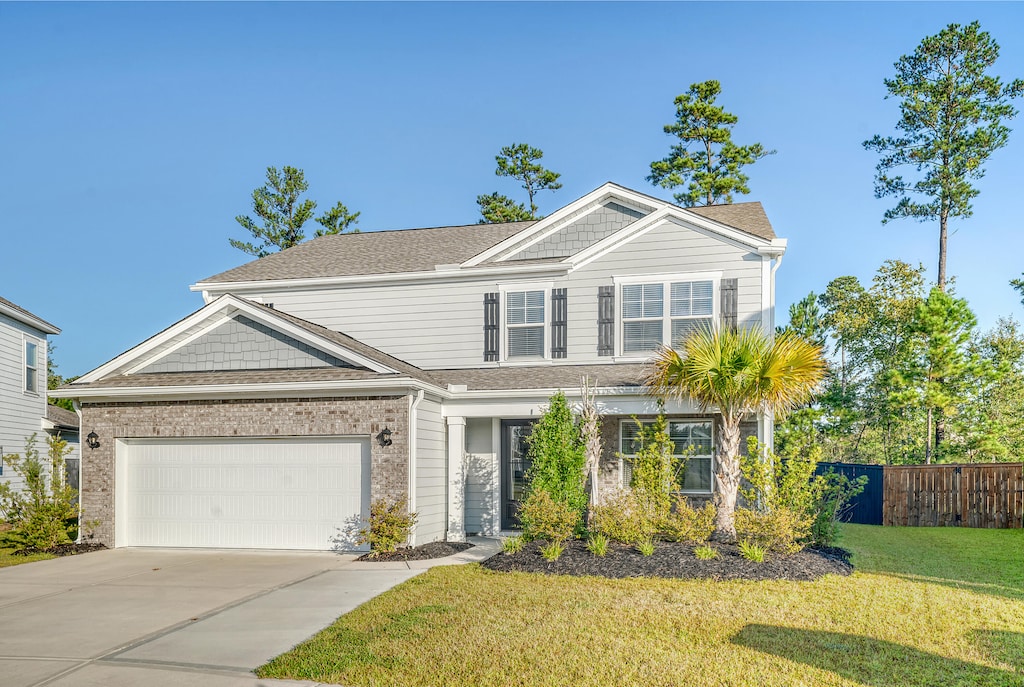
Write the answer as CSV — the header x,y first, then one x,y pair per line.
x,y
362,416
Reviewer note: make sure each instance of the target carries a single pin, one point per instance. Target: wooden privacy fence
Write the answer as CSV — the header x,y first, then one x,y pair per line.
x,y
988,495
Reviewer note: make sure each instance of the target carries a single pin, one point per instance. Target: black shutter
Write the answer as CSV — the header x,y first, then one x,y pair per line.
x,y
559,318
606,320
491,329
729,303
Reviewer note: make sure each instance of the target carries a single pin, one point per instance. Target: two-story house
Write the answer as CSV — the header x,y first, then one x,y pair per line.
x,y
411,363
23,407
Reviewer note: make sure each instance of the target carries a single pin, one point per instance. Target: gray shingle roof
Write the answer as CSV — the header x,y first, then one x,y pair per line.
x,y
378,252
566,377
62,417
748,217
21,310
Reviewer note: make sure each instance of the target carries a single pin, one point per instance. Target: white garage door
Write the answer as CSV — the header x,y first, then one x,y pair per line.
x,y
268,493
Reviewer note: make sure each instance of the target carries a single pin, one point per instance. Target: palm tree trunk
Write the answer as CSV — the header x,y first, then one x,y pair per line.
x,y
727,480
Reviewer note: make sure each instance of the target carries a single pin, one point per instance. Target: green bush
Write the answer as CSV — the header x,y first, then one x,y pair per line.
x,y
390,525
783,530
835,492
688,524
542,517
655,469
512,545
597,544
43,513
645,547
751,551
552,550
558,457
621,518
705,552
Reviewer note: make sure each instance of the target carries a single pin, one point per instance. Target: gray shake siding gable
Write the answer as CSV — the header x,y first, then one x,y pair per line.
x,y
361,416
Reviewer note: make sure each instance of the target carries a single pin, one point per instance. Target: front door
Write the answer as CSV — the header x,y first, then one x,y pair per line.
x,y
515,464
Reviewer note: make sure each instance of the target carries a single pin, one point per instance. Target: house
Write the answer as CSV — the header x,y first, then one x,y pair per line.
x,y
23,407
410,363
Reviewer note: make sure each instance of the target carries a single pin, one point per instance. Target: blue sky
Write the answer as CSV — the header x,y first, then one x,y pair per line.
x,y
131,135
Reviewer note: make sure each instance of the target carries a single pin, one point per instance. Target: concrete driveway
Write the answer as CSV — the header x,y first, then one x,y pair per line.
x,y
171,617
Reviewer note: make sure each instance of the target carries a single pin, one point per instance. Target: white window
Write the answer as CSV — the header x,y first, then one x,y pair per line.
x,y
31,367
693,445
647,323
524,324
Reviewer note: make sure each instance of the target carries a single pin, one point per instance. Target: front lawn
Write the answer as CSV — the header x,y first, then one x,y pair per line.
x,y
926,607
7,558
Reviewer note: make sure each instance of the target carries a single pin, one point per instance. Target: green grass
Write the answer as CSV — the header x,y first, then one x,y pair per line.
x,y
927,607
7,558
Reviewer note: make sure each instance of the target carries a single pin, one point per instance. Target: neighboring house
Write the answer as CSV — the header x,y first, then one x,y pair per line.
x,y
23,407
64,423
411,363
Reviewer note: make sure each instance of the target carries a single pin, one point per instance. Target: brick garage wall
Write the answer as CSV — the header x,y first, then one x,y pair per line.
x,y
363,416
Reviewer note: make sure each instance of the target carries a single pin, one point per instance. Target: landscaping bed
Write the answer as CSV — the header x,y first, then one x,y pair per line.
x,y
437,549
675,560
71,549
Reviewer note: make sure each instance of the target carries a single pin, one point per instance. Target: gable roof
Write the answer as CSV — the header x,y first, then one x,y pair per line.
x,y
748,217
378,252
16,312
61,417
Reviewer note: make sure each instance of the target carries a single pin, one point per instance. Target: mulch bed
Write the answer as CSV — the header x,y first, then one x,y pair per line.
x,y
437,549
675,560
64,549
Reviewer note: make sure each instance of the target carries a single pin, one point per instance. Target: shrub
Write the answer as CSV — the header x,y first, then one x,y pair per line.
x,y
43,513
645,546
687,524
655,469
512,545
558,457
835,492
751,551
621,519
782,530
552,550
390,525
597,544
542,517
705,552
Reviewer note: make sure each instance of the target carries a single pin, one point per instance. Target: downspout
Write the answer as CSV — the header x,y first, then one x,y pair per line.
x,y
775,268
414,403
77,405
769,423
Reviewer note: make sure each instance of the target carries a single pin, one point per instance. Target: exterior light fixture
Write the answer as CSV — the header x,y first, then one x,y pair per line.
x,y
384,437
93,439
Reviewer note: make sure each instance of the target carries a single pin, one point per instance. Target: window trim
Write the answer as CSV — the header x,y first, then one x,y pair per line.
x,y
666,280
40,356
504,290
670,419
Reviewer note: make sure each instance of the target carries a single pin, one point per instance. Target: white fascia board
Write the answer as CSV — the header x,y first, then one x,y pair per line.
x,y
229,304
400,386
775,249
608,190
212,289
30,320
610,401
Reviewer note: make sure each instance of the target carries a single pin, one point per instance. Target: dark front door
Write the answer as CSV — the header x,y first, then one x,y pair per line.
x,y
514,466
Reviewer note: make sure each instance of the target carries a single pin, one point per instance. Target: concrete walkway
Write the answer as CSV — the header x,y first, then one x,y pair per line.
x,y
174,617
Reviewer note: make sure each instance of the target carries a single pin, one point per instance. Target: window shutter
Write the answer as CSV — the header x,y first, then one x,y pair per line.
x,y
729,289
559,317
606,320
491,328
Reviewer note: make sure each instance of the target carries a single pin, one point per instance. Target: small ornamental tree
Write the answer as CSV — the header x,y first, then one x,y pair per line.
x,y
43,512
655,470
558,456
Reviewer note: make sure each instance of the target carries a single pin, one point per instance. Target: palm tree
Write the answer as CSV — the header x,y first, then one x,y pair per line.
x,y
738,373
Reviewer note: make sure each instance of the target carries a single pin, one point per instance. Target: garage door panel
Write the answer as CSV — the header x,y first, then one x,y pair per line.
x,y
275,493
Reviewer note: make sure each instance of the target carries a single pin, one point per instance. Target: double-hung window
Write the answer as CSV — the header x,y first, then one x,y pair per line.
x,y
524,324
664,313
692,444
31,367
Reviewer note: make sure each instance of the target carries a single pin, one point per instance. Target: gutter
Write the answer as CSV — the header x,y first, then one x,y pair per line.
x,y
81,466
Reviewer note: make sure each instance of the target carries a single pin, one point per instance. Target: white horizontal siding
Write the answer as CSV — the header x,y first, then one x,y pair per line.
x,y
439,325
481,476
431,473
20,412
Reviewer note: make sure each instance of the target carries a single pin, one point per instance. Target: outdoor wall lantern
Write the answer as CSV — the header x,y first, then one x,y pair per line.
x,y
93,440
384,437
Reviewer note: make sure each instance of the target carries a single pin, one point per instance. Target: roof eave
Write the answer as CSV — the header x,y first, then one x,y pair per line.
x,y
28,318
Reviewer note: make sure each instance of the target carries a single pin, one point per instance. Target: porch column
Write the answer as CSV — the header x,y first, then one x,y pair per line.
x,y
456,479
